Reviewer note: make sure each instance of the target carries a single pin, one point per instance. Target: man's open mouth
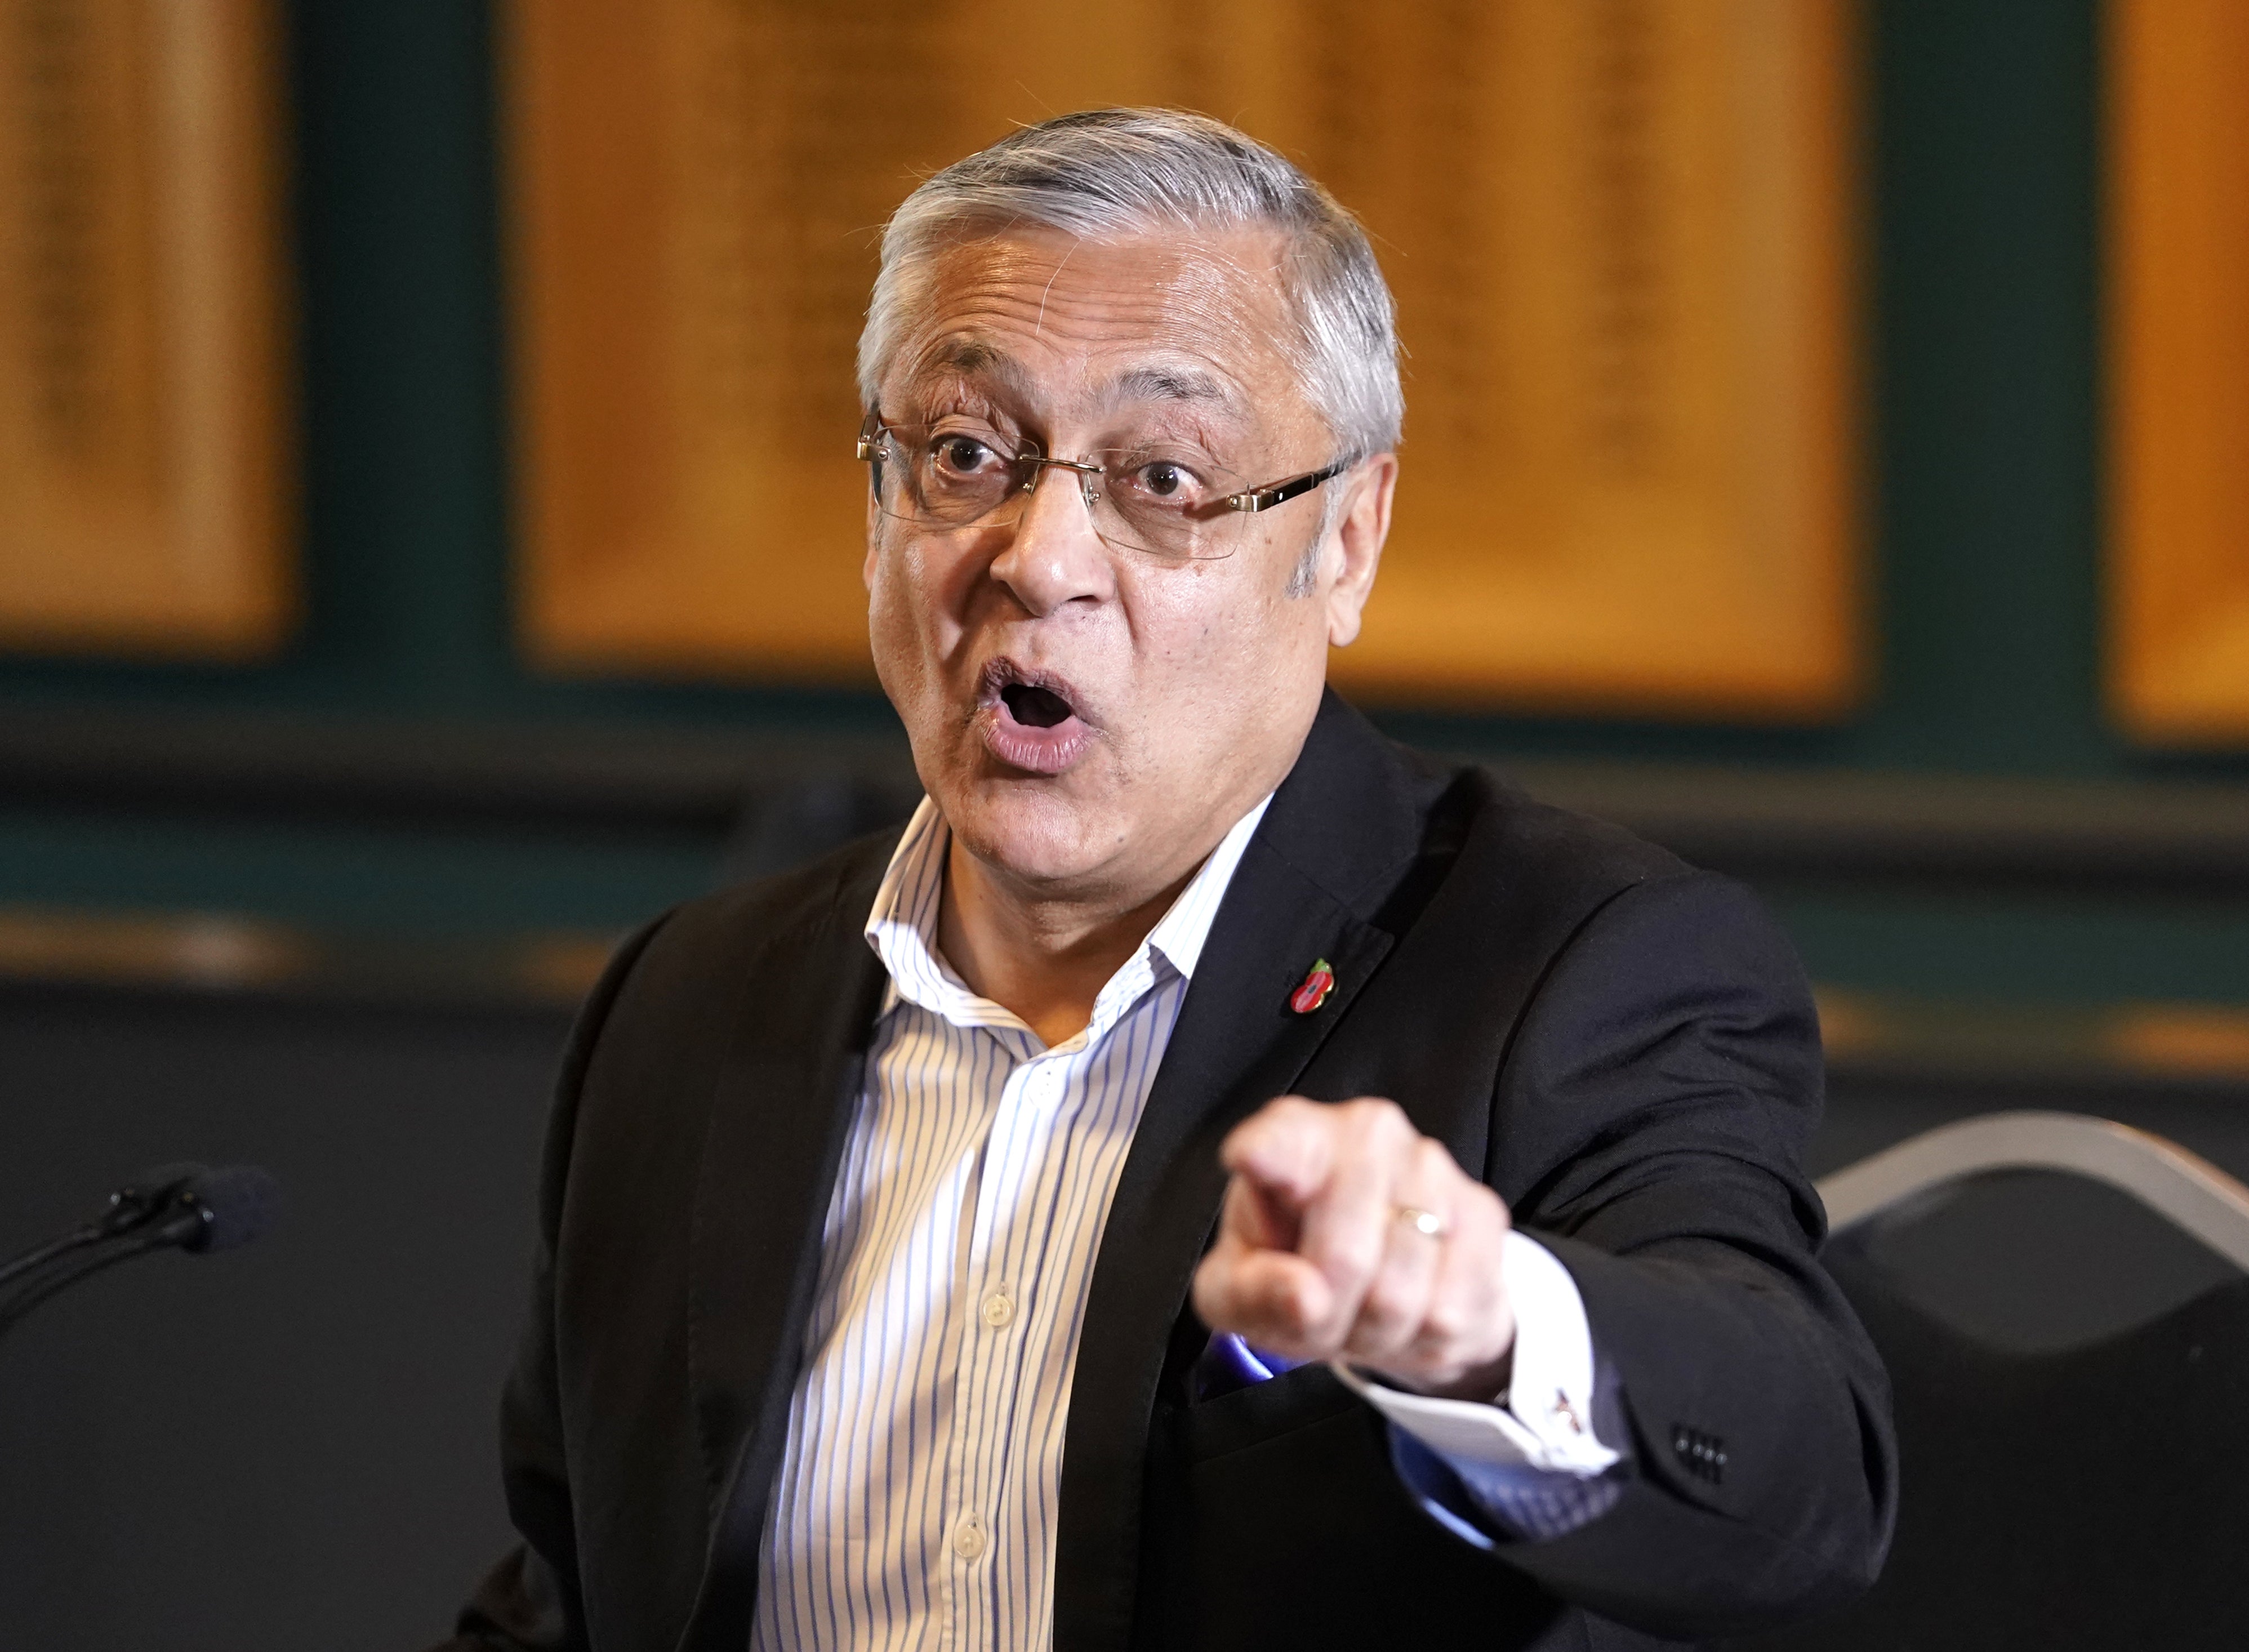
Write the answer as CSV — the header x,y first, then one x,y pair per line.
x,y
1030,719
1035,707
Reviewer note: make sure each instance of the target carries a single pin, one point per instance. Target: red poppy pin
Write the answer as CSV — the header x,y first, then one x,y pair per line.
x,y
1315,991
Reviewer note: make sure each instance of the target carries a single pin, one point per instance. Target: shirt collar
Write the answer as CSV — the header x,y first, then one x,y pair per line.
x,y
901,926
1180,934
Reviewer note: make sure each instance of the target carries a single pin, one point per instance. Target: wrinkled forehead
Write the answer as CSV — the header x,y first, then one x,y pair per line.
x,y
1046,325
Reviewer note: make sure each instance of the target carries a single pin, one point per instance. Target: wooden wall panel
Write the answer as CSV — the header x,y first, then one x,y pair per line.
x,y
144,487
2178,332
1622,234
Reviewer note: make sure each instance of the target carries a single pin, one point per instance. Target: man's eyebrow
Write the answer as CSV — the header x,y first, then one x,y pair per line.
x,y
1167,384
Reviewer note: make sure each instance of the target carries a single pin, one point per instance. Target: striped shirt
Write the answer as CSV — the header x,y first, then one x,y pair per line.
x,y
916,1501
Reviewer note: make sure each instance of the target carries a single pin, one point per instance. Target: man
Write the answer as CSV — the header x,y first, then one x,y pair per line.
x,y
1217,1180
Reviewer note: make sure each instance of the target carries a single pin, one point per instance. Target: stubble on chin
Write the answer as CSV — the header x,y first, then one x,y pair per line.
x,y
1028,831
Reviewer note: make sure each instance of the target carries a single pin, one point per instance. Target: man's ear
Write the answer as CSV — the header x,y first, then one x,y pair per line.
x,y
1359,536
874,540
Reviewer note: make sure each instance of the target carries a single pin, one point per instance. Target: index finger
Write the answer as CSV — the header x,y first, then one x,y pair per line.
x,y
1286,1147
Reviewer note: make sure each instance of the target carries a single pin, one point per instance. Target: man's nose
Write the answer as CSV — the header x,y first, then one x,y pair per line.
x,y
1055,557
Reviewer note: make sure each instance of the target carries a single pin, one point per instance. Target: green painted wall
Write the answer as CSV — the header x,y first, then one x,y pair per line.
x,y
1985,386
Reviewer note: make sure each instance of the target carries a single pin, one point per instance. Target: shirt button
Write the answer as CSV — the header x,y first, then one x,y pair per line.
x,y
968,1537
997,1309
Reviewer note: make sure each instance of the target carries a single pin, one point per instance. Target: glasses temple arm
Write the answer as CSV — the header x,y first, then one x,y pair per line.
x,y
1265,499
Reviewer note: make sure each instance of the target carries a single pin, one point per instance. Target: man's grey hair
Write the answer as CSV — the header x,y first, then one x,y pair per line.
x,y
1103,175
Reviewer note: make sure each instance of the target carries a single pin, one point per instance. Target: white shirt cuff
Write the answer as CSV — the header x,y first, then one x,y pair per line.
x,y
1545,1420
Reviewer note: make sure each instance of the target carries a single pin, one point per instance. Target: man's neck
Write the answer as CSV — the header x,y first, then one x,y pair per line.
x,y
1044,960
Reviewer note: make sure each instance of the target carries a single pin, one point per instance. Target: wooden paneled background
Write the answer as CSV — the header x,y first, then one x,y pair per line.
x,y
2178,336
145,490
1623,235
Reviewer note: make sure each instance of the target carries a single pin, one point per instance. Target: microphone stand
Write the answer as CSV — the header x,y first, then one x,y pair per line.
x,y
157,1210
76,1239
107,1252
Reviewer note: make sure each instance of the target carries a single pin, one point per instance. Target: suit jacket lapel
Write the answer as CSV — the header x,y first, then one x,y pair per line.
x,y
779,1117
1341,821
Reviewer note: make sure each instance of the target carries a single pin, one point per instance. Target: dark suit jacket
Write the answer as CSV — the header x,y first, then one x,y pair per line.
x,y
1623,1047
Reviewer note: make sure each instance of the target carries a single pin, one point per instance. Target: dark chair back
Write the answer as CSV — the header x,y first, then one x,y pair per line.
x,y
2093,1495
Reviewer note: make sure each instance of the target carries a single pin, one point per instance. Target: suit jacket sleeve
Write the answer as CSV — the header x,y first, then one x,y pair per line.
x,y
1653,1111
530,1600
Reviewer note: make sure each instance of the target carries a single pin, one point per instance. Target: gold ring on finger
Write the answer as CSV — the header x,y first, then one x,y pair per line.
x,y
1427,1223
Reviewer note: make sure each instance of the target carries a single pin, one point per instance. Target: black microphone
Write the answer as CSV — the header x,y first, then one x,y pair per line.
x,y
129,1207
183,1206
218,1210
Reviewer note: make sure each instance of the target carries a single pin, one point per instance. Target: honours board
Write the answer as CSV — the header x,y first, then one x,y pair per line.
x,y
2177,248
144,474
1621,233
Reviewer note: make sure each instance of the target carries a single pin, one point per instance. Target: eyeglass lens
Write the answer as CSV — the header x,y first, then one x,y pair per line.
x,y
1153,496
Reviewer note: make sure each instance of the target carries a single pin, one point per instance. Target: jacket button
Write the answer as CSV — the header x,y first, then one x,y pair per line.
x,y
1700,1454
